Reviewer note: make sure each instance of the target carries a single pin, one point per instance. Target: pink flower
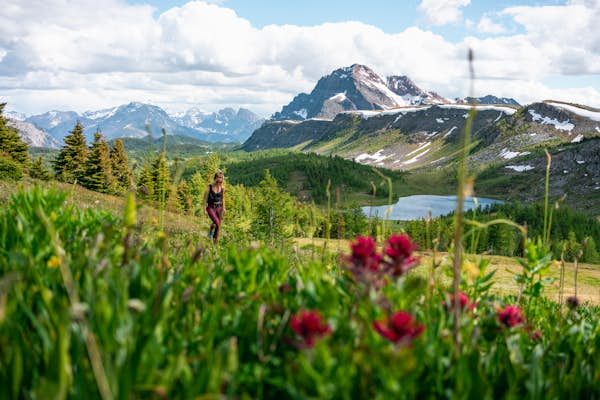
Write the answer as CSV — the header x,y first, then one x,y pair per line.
x,y
309,325
402,327
511,316
364,254
463,300
399,249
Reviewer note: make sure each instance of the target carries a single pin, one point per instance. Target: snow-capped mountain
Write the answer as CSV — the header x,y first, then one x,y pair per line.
x,y
138,120
223,124
33,136
356,88
409,91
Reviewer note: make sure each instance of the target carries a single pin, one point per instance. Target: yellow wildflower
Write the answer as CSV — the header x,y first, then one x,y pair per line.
x,y
53,262
472,271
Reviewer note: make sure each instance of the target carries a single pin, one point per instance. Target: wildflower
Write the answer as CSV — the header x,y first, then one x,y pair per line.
x,y
536,335
511,316
472,271
463,300
309,325
399,249
572,302
364,254
401,328
285,288
53,262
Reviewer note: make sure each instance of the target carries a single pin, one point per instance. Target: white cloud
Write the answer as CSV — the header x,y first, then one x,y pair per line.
x,y
81,56
442,12
486,25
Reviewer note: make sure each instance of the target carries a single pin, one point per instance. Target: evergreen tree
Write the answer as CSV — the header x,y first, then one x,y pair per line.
x,y
70,163
120,165
98,170
10,169
161,178
11,144
184,197
590,252
145,185
274,211
38,171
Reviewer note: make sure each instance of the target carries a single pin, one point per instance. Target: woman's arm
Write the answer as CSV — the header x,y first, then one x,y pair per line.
x,y
223,200
205,200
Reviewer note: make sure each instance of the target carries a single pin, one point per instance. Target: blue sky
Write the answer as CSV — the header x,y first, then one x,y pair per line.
x,y
259,54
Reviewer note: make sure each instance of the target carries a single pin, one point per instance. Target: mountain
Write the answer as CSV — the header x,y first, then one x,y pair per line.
x,y
137,120
226,125
355,88
508,152
409,91
33,136
489,99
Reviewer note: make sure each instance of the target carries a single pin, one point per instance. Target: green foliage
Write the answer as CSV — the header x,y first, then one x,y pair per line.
x,y
306,175
569,229
98,174
11,145
70,163
274,210
10,169
38,171
171,320
120,165
161,178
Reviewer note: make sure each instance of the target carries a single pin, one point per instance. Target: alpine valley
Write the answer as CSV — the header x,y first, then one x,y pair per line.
x,y
392,123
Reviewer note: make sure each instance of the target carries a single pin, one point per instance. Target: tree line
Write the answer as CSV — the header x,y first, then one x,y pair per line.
x,y
572,234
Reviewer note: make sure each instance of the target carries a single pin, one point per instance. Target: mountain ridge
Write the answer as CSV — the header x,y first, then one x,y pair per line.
x,y
137,119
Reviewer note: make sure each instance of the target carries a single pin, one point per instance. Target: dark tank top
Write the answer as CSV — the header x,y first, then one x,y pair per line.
x,y
214,199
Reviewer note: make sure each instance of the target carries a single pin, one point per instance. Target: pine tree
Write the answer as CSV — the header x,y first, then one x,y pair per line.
x,y
98,170
120,165
69,165
590,253
145,183
184,197
161,178
38,171
11,144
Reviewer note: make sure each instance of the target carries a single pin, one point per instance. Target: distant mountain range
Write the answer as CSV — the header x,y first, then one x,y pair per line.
x,y
137,120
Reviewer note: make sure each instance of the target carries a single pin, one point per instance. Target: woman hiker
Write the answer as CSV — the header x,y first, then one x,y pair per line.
x,y
214,199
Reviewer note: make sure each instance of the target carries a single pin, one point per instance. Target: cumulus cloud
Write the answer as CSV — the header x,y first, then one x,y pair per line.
x,y
80,56
442,12
486,25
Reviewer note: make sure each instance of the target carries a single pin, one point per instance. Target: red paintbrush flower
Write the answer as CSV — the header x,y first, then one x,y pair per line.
x,y
364,254
511,316
399,250
309,325
463,300
400,328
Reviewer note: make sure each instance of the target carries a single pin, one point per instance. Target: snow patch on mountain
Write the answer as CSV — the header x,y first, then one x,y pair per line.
x,y
449,132
507,154
505,109
564,126
416,158
593,115
338,97
375,157
519,168
577,139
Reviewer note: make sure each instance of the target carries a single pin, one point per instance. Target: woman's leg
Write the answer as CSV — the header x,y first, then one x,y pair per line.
x,y
215,216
